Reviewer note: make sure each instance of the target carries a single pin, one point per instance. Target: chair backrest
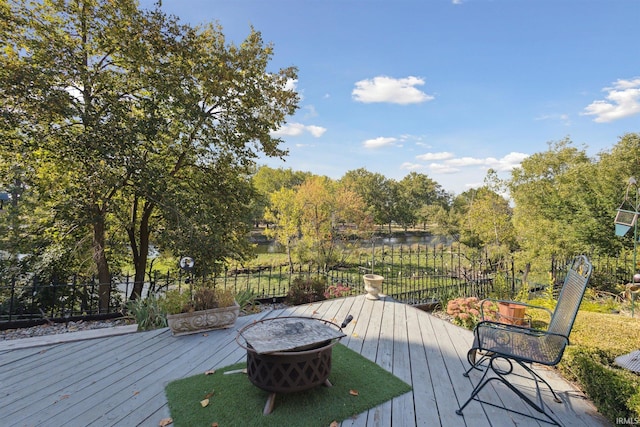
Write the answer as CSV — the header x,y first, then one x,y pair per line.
x,y
570,296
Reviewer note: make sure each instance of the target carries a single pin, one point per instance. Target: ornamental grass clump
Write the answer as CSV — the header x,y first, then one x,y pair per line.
x,y
465,311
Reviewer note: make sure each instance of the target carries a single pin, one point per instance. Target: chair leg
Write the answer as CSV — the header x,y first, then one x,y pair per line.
x,y
538,378
474,361
501,374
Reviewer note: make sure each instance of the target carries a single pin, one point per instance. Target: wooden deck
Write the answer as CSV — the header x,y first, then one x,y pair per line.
x,y
120,380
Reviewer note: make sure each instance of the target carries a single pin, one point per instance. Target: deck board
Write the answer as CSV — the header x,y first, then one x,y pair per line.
x,y
120,380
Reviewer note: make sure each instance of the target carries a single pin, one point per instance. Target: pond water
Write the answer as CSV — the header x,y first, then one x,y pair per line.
x,y
266,246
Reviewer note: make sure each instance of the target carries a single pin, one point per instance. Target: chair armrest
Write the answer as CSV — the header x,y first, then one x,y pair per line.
x,y
523,304
525,344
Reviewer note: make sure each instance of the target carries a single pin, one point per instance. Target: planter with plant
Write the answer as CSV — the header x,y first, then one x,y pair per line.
x,y
206,309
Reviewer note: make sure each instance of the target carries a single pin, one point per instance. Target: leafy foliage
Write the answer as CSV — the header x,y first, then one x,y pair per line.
x,y
306,290
615,392
148,313
127,122
247,300
176,301
337,291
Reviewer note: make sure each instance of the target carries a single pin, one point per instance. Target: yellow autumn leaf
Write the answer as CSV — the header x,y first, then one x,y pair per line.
x,y
353,392
204,403
355,335
210,372
165,422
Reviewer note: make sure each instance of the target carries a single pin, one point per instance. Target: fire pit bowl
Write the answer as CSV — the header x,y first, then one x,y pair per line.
x,y
289,354
289,372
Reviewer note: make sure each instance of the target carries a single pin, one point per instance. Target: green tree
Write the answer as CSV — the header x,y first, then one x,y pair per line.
x,y
376,192
316,220
324,205
283,212
608,180
548,211
127,115
268,180
488,217
417,192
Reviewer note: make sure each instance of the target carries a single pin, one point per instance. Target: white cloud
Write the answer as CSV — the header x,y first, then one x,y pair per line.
x,y
297,129
291,84
564,118
622,100
435,156
450,164
465,161
379,142
411,166
387,89
316,131
508,162
442,168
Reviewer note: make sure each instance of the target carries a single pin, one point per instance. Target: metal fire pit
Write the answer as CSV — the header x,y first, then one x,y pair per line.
x,y
289,354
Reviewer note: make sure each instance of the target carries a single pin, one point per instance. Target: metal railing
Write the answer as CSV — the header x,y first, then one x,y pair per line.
x,y
415,274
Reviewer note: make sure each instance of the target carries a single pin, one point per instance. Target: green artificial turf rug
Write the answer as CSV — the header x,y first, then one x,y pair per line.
x,y
233,400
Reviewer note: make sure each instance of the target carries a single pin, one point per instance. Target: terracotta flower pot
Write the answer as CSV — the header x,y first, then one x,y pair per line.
x,y
512,314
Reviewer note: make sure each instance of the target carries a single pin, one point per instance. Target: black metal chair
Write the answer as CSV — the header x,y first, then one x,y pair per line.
x,y
496,343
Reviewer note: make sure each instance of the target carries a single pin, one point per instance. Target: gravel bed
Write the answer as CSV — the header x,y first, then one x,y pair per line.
x,y
84,325
60,328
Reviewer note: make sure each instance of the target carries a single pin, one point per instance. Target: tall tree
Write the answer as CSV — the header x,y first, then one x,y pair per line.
x,y
317,218
545,193
376,192
284,213
608,181
268,180
135,112
418,191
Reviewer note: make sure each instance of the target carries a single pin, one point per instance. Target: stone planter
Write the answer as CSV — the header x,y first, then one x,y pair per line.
x,y
373,285
203,320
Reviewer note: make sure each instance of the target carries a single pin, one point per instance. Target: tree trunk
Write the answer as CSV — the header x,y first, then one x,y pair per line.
x,y
100,258
289,256
140,251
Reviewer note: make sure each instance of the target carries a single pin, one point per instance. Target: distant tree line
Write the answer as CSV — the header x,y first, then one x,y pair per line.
x,y
558,202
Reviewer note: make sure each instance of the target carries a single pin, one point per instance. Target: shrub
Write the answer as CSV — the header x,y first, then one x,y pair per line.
x,y
204,298
173,301
247,300
465,311
614,391
337,291
148,313
303,291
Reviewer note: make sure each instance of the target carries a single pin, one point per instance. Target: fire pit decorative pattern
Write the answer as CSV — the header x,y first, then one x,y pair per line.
x,y
289,354
288,373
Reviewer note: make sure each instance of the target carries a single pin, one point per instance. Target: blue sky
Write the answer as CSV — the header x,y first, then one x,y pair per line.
x,y
447,88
